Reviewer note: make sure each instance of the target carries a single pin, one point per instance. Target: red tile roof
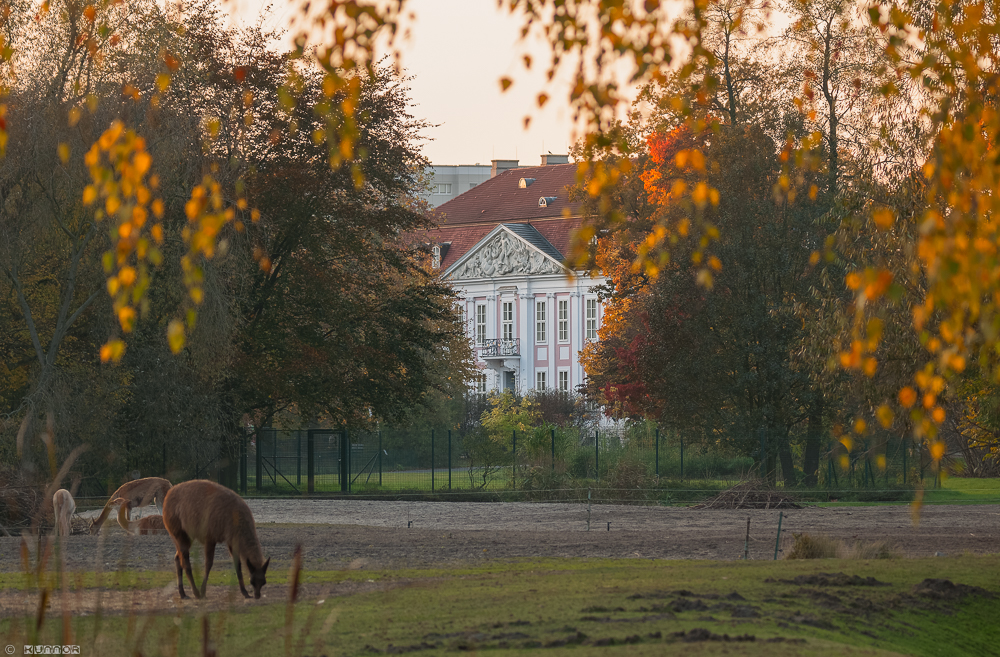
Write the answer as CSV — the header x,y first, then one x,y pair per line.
x,y
469,217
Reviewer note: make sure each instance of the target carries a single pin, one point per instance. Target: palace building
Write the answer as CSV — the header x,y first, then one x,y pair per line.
x,y
502,245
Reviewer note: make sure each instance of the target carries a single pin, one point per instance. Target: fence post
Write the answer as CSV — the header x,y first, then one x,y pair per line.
x,y
243,462
905,447
657,451
379,458
763,454
432,460
597,456
345,462
449,459
298,458
553,450
310,461
513,454
257,462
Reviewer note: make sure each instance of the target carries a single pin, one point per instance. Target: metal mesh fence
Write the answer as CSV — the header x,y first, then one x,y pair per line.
x,y
276,461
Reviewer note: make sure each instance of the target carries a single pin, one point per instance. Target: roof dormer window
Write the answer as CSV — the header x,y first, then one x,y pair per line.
x,y
525,183
436,257
546,201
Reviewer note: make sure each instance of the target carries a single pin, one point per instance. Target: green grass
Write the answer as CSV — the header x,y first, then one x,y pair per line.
x,y
518,607
962,490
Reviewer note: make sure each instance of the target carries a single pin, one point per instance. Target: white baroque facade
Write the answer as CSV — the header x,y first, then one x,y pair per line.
x,y
503,249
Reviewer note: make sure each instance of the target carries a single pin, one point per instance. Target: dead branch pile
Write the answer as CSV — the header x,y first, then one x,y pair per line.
x,y
18,504
750,495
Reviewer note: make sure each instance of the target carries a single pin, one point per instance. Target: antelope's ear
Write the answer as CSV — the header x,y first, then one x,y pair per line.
x,y
263,568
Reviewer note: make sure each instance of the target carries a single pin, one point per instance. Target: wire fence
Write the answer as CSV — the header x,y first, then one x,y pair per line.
x,y
276,461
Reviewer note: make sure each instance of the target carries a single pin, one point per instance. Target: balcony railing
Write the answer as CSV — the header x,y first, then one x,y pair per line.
x,y
500,347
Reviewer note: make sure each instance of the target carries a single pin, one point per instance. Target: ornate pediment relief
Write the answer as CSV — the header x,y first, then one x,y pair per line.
x,y
505,255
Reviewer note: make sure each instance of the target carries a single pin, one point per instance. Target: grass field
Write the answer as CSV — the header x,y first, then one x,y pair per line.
x,y
557,606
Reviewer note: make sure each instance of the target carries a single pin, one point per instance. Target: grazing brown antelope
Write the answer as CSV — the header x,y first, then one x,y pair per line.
x,y
145,525
64,506
139,493
204,511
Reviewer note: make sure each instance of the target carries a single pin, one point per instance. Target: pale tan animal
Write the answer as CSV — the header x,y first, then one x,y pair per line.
x,y
64,506
145,525
139,493
204,511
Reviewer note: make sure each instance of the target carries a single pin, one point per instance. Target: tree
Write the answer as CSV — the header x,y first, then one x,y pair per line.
x,y
311,303
716,365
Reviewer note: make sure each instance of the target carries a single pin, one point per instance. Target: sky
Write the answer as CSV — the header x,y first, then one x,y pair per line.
x,y
456,53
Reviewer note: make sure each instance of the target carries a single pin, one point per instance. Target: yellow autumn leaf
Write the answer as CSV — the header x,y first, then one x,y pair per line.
x,y
127,276
126,318
142,161
112,350
884,218
937,449
885,416
175,335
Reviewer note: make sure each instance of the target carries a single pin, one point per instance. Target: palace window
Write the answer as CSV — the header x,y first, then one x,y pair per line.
x,y
540,380
508,320
563,381
564,320
480,323
540,333
591,319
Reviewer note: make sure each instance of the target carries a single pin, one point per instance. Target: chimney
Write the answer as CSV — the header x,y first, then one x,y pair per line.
x,y
499,166
549,158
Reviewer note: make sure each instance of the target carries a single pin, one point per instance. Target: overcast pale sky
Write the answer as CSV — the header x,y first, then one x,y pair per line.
x,y
457,52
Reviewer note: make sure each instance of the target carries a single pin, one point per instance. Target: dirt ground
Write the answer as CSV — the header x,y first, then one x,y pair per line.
x,y
370,535
339,534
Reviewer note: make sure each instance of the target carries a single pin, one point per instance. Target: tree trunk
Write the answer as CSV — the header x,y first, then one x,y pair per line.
x,y
810,460
787,467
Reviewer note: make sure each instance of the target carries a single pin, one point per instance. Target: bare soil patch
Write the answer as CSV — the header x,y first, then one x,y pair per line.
x,y
339,534
370,535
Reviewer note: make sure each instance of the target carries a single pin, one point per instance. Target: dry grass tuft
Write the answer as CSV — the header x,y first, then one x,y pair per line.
x,y
807,546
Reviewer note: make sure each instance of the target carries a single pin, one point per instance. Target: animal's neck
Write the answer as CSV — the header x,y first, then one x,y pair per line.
x,y
249,545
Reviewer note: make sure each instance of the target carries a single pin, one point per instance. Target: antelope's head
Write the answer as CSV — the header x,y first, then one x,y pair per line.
x,y
258,576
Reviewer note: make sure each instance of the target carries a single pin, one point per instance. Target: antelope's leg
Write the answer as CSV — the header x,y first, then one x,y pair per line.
x,y
209,560
190,575
180,576
239,575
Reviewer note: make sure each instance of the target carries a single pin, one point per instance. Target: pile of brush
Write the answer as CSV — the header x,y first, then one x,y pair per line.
x,y
750,495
